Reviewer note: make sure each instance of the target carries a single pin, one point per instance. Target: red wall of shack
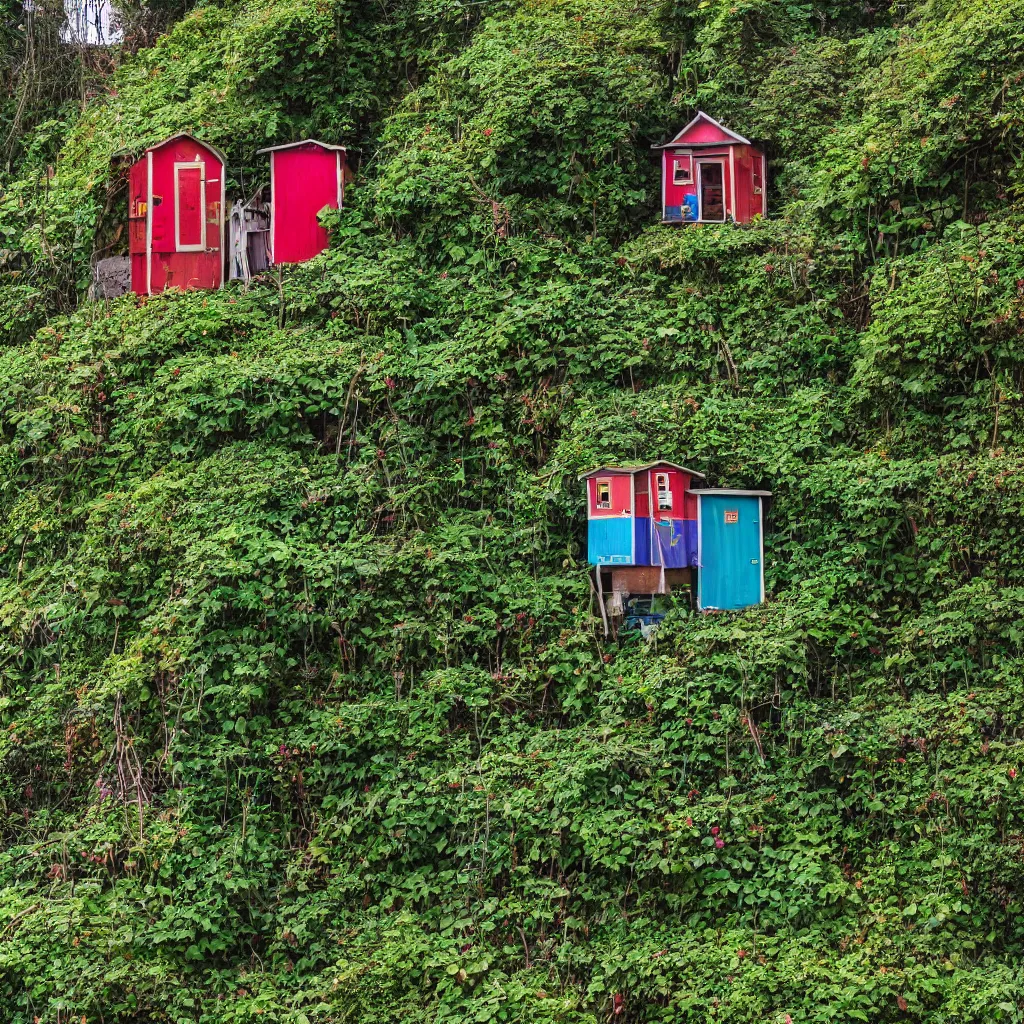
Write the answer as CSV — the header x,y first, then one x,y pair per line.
x,y
190,200
684,504
305,179
621,493
748,163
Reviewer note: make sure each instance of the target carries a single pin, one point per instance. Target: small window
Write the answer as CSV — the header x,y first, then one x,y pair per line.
x,y
757,177
604,494
681,173
664,492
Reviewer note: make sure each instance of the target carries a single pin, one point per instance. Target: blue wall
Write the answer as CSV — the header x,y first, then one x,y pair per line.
x,y
642,533
731,559
678,542
610,541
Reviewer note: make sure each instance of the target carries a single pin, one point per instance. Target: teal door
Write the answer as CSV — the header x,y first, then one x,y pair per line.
x,y
730,556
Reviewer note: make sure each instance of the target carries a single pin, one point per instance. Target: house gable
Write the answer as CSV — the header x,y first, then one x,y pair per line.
x,y
705,131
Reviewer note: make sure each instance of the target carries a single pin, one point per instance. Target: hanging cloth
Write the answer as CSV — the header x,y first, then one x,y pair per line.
x,y
662,588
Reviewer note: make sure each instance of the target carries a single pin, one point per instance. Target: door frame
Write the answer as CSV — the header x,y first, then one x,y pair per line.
x,y
700,161
190,165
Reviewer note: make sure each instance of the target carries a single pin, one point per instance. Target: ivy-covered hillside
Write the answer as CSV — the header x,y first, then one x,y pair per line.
x,y
306,711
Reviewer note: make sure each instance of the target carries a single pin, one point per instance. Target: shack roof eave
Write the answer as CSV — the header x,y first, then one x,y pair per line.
x,y
302,142
734,137
639,468
730,492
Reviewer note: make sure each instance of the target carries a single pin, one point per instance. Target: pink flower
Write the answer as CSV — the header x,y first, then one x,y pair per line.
x,y
715,830
719,843
1012,773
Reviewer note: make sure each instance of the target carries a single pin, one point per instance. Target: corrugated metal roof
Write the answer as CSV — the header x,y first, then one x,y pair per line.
x,y
639,468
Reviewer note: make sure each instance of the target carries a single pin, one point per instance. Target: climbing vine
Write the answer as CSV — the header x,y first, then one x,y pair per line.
x,y
305,715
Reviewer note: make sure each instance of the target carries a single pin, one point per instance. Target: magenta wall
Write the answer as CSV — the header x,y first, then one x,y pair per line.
x,y
674,194
622,495
703,131
305,179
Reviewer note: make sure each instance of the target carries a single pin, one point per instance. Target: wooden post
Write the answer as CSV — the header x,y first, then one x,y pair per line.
x,y
600,598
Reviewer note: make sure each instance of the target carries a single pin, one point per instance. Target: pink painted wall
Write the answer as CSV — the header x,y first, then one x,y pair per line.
x,y
674,193
305,179
622,495
684,504
703,131
749,174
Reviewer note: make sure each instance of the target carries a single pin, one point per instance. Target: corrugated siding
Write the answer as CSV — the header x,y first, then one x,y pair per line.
x,y
610,541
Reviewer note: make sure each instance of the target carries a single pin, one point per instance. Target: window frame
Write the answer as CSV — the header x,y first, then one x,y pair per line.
x,y
598,484
190,165
678,169
664,505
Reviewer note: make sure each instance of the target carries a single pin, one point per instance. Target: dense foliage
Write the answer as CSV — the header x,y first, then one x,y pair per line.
x,y
306,714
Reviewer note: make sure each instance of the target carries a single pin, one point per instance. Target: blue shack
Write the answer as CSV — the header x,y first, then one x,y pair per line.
x,y
730,548
649,530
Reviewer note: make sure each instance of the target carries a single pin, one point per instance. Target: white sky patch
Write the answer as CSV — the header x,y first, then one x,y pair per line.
x,y
91,23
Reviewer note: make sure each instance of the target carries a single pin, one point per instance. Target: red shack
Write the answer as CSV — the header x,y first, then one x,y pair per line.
x,y
710,174
305,177
641,516
176,217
